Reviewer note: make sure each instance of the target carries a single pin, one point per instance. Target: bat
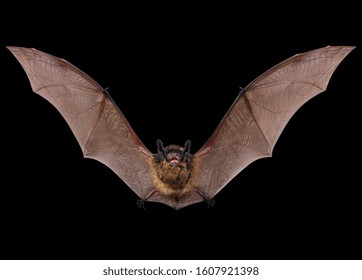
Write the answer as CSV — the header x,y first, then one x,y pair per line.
x,y
172,175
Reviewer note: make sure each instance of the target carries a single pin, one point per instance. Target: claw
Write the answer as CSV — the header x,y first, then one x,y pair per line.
x,y
210,202
141,203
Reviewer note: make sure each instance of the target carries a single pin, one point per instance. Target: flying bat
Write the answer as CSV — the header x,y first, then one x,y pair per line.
x,y
172,175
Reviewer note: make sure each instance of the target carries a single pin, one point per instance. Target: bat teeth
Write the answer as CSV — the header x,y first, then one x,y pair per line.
x,y
174,160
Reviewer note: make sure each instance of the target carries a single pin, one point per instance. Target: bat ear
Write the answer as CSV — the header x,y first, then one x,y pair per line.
x,y
160,145
160,148
187,146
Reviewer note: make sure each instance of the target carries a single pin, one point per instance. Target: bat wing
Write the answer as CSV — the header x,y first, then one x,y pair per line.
x,y
253,124
101,129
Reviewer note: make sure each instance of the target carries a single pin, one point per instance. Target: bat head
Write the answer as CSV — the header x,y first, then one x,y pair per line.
x,y
173,154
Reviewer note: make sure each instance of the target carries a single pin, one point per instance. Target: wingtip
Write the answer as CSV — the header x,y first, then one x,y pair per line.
x,y
343,47
17,48
14,49
342,50
351,47
10,47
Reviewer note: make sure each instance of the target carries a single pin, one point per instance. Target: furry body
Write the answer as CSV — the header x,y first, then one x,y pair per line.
x,y
173,179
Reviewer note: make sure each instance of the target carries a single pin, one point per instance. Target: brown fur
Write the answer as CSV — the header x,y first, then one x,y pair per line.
x,y
173,181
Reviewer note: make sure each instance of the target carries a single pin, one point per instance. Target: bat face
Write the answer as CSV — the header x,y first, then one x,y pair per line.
x,y
173,154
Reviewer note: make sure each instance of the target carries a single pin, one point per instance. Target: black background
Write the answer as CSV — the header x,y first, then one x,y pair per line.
x,y
174,71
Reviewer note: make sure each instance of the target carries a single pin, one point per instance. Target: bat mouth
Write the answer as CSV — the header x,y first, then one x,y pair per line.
x,y
174,160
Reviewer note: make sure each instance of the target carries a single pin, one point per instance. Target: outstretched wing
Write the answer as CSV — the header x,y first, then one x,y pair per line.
x,y
253,124
101,129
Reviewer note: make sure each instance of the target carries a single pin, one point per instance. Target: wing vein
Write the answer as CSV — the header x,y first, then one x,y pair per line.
x,y
247,102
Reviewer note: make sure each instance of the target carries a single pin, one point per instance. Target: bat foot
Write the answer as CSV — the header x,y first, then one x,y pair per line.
x,y
210,202
141,203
